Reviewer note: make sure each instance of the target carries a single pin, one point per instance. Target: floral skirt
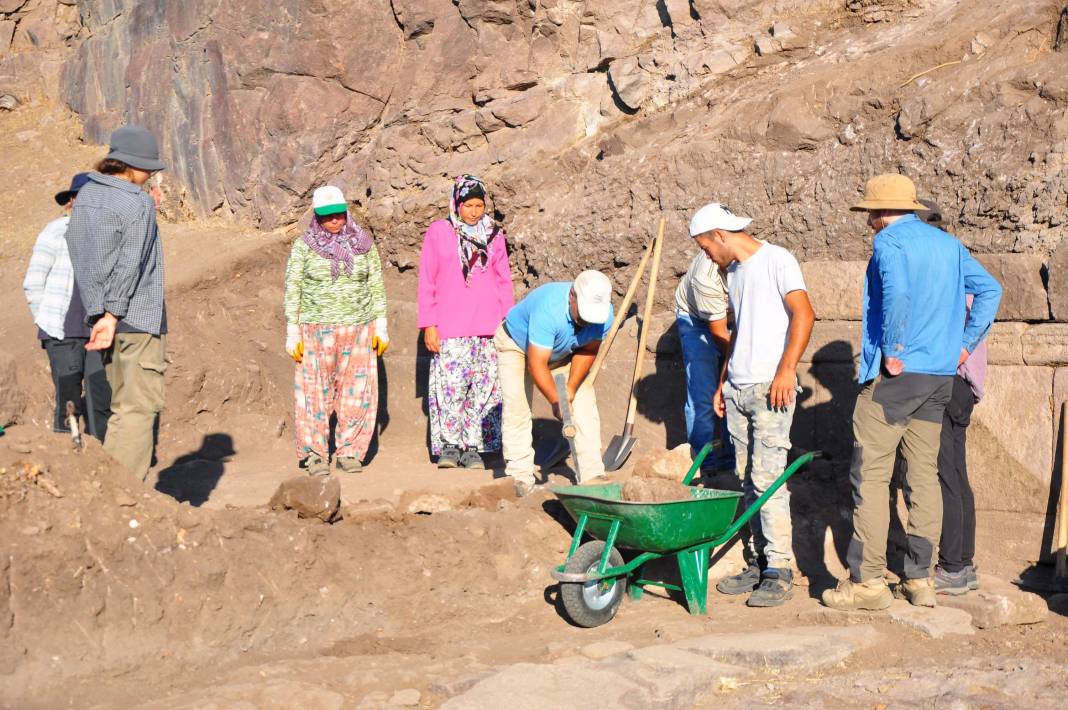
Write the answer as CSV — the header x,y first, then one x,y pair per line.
x,y
464,399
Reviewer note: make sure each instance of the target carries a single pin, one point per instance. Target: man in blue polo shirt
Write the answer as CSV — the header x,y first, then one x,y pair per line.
x,y
558,327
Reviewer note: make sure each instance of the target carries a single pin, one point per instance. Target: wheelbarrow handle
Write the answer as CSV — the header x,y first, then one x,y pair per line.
x,y
759,502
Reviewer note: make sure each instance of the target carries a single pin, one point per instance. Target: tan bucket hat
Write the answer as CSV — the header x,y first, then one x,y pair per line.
x,y
889,192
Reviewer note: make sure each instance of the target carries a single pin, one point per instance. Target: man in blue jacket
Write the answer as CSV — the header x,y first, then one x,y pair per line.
x,y
914,336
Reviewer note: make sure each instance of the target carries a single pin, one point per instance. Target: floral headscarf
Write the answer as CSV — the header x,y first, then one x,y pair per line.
x,y
341,248
473,239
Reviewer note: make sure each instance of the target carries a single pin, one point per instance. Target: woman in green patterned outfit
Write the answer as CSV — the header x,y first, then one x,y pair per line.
x,y
335,304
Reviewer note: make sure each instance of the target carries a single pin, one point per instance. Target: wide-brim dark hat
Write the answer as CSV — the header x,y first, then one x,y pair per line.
x,y
137,147
76,183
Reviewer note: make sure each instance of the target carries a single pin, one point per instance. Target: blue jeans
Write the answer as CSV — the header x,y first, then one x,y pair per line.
x,y
702,362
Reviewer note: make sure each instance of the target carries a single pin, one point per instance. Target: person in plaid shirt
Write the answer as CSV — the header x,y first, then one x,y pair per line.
x,y
118,265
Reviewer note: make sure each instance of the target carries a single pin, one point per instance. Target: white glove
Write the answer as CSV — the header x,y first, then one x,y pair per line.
x,y
293,342
380,342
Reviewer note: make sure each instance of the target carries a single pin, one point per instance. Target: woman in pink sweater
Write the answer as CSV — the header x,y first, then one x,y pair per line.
x,y
465,290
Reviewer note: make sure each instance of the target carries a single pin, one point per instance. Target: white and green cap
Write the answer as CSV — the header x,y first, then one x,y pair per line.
x,y
328,200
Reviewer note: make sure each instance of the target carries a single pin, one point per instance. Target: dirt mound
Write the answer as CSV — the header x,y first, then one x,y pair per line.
x,y
654,490
100,578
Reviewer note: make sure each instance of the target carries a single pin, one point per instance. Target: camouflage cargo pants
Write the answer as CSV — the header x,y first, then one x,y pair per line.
x,y
761,441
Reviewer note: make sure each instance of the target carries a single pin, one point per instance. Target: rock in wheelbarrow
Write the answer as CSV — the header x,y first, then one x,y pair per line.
x,y
654,490
312,497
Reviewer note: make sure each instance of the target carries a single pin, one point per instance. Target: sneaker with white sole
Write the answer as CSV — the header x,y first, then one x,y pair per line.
x,y
471,459
449,457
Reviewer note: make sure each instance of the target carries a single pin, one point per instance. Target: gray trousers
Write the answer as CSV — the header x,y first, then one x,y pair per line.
x,y
761,438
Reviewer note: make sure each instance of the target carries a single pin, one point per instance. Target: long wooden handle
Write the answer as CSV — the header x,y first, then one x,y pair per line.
x,y
647,314
1061,563
602,353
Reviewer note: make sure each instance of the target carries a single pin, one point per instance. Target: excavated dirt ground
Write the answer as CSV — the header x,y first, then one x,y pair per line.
x,y
116,594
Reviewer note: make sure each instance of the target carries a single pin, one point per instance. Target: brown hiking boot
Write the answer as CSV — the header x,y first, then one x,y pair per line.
x,y
918,592
873,595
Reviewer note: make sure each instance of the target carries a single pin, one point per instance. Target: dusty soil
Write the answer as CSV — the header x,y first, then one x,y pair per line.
x,y
188,592
654,490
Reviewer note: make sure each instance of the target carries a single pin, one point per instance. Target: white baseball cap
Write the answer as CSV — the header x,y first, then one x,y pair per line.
x,y
328,200
716,216
593,294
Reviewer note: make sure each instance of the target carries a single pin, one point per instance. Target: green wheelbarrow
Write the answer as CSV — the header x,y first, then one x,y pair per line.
x,y
594,578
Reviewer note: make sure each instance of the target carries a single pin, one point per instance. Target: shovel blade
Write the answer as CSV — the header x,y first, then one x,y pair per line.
x,y
618,452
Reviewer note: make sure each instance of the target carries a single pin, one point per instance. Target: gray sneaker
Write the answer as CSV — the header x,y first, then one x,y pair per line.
x,y
449,458
952,583
316,465
471,459
973,578
775,588
741,583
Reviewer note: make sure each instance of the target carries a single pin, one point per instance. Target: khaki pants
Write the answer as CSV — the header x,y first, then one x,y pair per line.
x,y
135,369
517,392
903,411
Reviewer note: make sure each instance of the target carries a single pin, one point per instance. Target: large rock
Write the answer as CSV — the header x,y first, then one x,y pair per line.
x,y
1046,344
931,622
1023,290
803,647
1058,282
1010,459
998,603
836,288
311,496
631,83
663,676
664,463
1004,343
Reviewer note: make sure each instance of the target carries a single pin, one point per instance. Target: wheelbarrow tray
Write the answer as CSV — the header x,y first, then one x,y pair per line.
x,y
662,527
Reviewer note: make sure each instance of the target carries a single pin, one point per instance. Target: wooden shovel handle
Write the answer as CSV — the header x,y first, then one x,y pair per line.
x,y
1059,553
644,334
620,315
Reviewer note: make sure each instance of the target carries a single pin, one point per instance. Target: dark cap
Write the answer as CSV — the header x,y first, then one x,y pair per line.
x,y
137,147
76,183
933,213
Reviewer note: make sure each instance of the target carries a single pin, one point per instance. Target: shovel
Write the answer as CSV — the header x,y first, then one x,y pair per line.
x,y
567,422
549,457
620,447
621,314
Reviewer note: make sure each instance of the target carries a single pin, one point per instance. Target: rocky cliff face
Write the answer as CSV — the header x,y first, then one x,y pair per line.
x,y
589,118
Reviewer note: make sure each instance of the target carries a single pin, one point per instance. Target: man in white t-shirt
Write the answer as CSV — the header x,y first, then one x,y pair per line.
x,y
773,321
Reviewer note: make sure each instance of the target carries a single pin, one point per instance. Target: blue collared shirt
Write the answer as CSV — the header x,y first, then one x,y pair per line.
x,y
914,300
543,319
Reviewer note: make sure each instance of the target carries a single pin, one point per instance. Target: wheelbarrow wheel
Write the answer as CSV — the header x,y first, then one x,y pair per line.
x,y
591,604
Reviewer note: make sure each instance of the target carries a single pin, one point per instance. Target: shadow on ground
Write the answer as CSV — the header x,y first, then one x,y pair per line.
x,y
193,476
